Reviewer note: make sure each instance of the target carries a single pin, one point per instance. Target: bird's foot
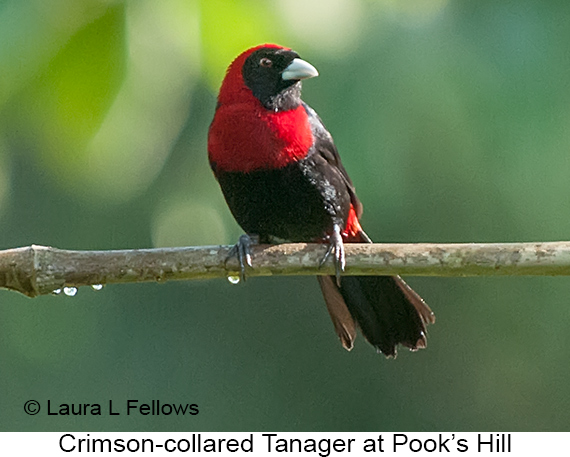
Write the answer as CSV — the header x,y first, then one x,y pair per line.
x,y
242,250
337,245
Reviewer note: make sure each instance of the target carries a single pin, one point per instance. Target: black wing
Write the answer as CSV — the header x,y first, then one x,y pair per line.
x,y
325,147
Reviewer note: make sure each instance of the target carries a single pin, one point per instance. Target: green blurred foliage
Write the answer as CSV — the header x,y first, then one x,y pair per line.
x,y
451,117
228,28
66,103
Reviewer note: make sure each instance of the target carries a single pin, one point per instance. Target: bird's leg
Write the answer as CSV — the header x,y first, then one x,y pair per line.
x,y
336,244
242,250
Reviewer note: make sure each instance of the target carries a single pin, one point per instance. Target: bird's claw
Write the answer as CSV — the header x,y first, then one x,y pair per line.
x,y
337,245
242,250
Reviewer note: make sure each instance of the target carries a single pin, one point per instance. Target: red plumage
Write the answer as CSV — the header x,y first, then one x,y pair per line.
x,y
282,178
352,230
245,136
242,130
234,89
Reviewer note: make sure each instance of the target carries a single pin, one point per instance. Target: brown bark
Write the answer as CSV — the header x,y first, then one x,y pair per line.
x,y
39,270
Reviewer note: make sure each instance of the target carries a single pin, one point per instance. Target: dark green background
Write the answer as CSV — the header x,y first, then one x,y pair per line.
x,y
453,119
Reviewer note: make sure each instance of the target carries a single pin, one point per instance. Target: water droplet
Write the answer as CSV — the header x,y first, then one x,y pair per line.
x,y
233,279
70,291
56,292
97,286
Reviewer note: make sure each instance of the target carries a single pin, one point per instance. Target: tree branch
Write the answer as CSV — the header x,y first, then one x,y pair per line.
x,y
39,270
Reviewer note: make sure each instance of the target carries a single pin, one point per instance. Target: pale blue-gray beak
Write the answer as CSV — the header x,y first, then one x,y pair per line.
x,y
299,69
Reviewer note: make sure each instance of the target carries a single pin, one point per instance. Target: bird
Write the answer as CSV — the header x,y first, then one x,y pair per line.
x,y
283,180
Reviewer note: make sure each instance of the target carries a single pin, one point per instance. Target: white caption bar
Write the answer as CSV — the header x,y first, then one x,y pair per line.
x,y
285,444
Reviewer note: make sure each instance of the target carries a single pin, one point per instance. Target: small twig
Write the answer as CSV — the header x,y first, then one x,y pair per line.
x,y
39,270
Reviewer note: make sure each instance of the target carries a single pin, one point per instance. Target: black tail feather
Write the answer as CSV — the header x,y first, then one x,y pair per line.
x,y
385,308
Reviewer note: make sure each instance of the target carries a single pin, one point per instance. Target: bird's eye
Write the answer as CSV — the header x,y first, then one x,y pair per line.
x,y
265,62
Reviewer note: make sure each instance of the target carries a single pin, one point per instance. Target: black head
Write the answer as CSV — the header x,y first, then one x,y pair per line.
x,y
274,74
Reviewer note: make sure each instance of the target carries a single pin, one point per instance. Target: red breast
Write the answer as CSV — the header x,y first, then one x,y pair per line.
x,y
245,136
